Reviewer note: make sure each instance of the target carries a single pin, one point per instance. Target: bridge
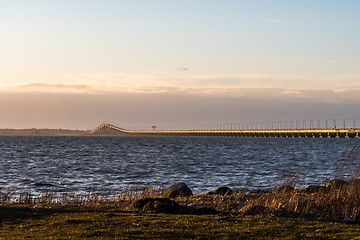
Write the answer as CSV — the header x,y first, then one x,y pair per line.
x,y
108,129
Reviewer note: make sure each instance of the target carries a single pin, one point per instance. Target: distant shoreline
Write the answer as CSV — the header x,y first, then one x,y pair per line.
x,y
43,132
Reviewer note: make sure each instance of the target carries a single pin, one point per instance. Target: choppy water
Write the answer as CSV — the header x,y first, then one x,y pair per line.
x,y
114,163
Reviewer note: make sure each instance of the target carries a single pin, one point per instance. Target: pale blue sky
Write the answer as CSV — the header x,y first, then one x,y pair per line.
x,y
229,48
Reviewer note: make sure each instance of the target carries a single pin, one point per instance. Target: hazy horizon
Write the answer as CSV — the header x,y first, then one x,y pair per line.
x,y
78,64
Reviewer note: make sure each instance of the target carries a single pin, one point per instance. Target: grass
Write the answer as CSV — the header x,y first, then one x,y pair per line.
x,y
109,222
329,213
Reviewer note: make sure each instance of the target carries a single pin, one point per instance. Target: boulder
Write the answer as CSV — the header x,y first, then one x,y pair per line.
x,y
158,205
221,191
165,205
177,190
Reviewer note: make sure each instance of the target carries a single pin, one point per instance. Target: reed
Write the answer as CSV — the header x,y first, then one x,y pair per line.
x,y
48,198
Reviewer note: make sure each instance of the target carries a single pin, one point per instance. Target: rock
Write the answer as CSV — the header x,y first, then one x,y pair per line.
x,y
285,189
177,190
165,205
337,183
313,189
158,205
223,191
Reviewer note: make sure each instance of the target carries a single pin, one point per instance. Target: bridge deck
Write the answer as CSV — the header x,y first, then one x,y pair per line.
x,y
350,132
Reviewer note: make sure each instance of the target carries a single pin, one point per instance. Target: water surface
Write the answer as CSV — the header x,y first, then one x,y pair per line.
x,y
113,163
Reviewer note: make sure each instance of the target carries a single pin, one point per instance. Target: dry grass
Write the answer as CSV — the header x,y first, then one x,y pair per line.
x,y
339,203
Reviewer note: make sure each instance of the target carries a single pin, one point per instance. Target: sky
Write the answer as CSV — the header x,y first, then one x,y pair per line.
x,y
79,63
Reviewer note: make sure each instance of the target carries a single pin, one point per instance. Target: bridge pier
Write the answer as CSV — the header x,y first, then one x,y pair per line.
x,y
308,135
341,135
332,135
317,135
324,135
351,135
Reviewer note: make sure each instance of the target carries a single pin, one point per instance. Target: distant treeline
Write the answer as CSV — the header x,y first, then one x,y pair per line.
x,y
51,132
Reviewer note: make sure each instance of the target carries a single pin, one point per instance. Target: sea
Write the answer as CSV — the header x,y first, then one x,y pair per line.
x,y
114,163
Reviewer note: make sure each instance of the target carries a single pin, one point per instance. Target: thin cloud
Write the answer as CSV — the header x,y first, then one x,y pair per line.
x,y
292,93
329,96
108,81
43,87
336,89
84,106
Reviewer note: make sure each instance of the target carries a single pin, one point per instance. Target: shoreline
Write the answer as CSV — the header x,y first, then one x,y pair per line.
x,y
121,218
43,132
315,201
318,212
